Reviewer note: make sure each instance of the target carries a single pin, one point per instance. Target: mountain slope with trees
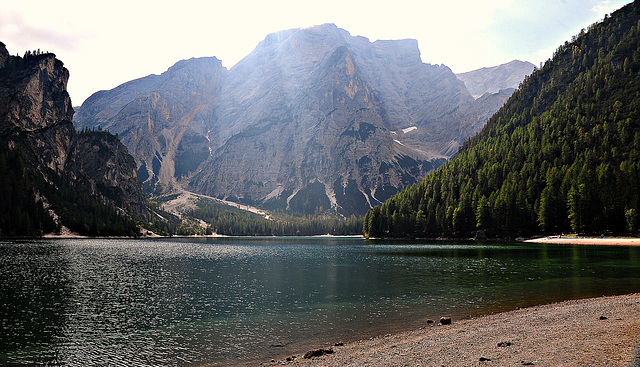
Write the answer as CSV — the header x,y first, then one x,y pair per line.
x,y
562,155
51,176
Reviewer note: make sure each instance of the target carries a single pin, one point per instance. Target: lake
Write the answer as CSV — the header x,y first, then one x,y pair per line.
x,y
180,302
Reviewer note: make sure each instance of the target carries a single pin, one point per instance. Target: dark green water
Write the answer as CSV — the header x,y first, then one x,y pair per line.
x,y
227,301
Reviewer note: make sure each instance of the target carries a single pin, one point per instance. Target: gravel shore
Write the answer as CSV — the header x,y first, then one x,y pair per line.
x,y
595,241
591,332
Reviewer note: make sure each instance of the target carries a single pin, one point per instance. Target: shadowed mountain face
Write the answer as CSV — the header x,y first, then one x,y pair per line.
x,y
313,119
35,121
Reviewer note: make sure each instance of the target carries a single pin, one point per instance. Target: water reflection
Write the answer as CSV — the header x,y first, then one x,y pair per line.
x,y
35,293
180,302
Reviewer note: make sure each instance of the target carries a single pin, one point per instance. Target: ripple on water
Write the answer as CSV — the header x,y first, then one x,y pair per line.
x,y
177,302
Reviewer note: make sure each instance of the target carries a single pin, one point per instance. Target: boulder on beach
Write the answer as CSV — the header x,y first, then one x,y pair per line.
x,y
317,352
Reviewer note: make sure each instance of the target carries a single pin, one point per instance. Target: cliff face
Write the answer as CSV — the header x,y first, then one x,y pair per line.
x,y
35,117
312,119
33,92
35,109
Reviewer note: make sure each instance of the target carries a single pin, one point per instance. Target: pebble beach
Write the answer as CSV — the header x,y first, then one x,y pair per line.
x,y
591,332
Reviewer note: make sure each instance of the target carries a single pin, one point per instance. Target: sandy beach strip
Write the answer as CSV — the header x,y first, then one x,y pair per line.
x,y
595,241
601,331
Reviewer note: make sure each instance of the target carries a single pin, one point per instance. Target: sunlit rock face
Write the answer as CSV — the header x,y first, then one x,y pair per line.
x,y
153,117
496,78
312,120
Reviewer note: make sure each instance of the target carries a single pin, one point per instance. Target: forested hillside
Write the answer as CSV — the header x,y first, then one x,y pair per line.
x,y
562,155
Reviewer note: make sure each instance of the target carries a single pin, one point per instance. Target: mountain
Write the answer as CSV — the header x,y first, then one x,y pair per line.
x,y
494,79
562,155
312,120
324,126
51,175
153,117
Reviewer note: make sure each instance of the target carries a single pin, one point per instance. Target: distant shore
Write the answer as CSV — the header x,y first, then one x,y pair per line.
x,y
558,240
594,241
590,332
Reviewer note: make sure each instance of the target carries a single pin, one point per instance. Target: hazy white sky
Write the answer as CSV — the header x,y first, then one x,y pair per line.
x,y
104,44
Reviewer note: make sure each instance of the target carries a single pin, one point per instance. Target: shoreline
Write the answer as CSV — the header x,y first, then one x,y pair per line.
x,y
587,241
601,331
72,236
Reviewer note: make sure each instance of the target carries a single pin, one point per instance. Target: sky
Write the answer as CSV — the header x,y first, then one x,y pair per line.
x,y
105,44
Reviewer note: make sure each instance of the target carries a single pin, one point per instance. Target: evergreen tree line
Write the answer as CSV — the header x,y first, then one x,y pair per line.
x,y
20,213
231,221
562,155
17,64
87,213
23,214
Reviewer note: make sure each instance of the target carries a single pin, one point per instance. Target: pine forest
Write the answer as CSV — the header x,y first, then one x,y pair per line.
x,y
561,156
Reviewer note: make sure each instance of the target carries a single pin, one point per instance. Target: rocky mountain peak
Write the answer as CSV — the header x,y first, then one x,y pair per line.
x,y
195,63
322,105
493,79
313,119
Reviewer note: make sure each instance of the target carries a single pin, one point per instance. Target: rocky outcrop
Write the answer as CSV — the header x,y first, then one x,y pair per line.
x,y
110,169
35,109
317,352
33,91
35,117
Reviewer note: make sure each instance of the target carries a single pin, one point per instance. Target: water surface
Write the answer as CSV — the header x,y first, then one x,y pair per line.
x,y
187,302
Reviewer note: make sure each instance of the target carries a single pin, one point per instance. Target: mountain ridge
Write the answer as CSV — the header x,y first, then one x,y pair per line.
x,y
344,120
491,79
